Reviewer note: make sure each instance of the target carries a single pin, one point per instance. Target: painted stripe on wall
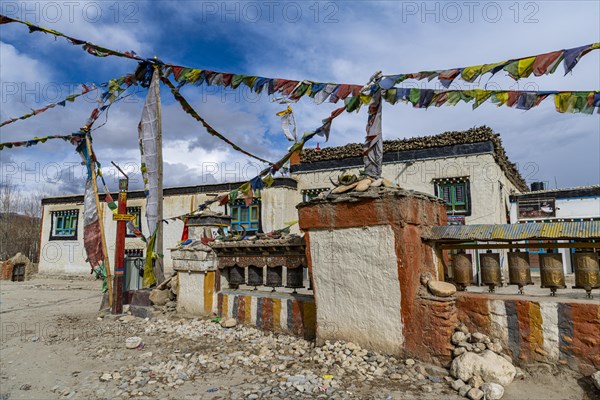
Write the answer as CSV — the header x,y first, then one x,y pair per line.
x,y
259,306
514,341
248,310
536,337
220,305
290,319
241,309
498,322
230,300
267,314
276,314
234,308
209,290
310,320
549,313
253,307
283,315
565,332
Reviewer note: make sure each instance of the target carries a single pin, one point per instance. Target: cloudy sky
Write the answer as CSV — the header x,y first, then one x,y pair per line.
x,y
344,42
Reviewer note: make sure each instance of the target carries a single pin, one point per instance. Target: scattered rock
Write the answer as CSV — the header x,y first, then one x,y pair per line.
x,y
457,384
596,379
409,362
464,390
458,337
25,386
441,289
478,337
159,297
492,391
106,377
127,318
133,342
476,381
475,394
229,323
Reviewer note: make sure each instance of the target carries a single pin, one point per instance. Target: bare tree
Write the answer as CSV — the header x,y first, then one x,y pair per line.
x,y
20,222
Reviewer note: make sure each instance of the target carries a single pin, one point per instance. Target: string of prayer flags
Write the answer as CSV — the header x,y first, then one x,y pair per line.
x,y
31,142
538,65
70,98
188,109
566,102
85,45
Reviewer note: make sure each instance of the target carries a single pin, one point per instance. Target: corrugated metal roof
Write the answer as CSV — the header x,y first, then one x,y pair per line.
x,y
509,232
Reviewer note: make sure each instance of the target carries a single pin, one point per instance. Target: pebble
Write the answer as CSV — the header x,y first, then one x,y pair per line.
x,y
475,394
463,390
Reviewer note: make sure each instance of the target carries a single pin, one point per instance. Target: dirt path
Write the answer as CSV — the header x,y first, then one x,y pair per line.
x,y
54,345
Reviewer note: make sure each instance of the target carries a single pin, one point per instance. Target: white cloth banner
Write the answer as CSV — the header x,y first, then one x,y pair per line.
x,y
148,137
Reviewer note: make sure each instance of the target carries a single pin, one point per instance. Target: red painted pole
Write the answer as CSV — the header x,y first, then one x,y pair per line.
x,y
117,306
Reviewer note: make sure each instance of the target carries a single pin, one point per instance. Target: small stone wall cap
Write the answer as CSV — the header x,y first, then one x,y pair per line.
x,y
441,289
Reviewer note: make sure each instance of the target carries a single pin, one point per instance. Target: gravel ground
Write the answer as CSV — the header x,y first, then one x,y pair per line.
x,y
55,345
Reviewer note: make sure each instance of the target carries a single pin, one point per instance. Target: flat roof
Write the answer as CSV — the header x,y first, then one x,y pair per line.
x,y
175,191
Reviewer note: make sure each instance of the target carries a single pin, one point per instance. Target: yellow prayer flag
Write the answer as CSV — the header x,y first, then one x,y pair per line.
x,y
525,67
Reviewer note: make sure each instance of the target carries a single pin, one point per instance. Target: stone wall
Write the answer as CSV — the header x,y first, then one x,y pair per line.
x,y
366,257
6,271
555,331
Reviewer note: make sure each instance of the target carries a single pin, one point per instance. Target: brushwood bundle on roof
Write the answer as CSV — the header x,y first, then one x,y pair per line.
x,y
451,138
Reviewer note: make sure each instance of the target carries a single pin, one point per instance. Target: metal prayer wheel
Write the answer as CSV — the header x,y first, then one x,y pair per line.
x,y
551,272
587,272
295,278
463,270
491,273
236,276
255,276
274,277
518,269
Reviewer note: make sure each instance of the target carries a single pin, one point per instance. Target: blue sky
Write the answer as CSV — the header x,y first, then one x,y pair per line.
x,y
343,42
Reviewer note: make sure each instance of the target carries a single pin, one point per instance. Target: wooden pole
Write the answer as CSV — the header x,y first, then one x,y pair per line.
x,y
158,270
117,306
100,220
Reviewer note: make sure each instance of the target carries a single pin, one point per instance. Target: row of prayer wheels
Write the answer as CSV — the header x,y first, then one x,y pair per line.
x,y
294,277
587,271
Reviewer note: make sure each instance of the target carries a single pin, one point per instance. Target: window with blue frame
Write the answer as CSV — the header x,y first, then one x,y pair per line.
x,y
64,225
137,222
245,217
456,193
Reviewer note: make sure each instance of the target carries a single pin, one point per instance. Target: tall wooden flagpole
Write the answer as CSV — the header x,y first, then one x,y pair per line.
x,y
101,221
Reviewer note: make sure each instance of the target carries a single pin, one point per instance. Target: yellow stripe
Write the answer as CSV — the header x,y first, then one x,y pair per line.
x,y
248,308
536,335
310,319
276,314
209,290
224,314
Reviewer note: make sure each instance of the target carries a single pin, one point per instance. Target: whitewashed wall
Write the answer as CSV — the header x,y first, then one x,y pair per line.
x,y
490,188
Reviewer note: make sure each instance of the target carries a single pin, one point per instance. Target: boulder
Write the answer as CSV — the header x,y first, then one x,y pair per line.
x,y
491,367
441,289
596,379
229,323
492,391
159,297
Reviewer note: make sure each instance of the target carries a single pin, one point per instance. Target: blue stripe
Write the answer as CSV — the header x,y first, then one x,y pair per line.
x,y
234,311
259,311
512,319
565,329
290,319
